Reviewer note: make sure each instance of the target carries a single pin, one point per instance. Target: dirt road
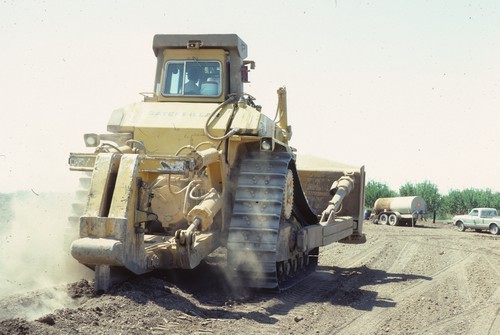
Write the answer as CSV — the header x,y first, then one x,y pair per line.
x,y
425,280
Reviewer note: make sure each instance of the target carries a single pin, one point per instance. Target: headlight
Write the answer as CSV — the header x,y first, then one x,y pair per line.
x,y
266,145
91,140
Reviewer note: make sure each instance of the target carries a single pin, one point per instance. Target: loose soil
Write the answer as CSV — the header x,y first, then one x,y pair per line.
x,y
429,279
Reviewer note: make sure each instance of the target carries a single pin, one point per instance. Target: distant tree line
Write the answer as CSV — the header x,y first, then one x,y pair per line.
x,y
6,213
6,200
444,206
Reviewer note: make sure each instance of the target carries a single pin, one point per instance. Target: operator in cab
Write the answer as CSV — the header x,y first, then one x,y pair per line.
x,y
191,86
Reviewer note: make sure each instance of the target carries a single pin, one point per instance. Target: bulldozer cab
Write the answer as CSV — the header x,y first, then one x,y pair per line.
x,y
199,68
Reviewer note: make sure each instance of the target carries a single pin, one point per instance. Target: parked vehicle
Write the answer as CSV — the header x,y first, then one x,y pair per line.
x,y
394,211
479,219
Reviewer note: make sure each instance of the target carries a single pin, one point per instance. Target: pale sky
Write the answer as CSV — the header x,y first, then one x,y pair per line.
x,y
410,89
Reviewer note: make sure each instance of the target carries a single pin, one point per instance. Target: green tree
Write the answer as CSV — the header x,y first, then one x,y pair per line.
x,y
407,190
426,190
461,201
375,190
6,213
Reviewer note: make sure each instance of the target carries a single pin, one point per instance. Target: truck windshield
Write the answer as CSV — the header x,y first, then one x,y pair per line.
x,y
192,78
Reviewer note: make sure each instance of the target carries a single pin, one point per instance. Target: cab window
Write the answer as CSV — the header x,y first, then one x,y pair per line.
x,y
192,78
473,212
489,213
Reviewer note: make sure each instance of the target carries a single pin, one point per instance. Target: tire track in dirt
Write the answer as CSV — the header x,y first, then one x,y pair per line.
x,y
294,305
491,316
495,324
367,322
391,271
277,310
478,326
346,281
471,248
409,250
477,315
305,306
362,255
463,290
493,267
482,319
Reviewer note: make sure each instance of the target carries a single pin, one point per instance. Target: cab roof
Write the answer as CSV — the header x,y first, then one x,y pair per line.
x,y
229,42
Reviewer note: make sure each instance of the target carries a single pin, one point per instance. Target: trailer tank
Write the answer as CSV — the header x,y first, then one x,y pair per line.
x,y
399,209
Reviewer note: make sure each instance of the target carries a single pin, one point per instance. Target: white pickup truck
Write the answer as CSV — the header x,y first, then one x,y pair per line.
x,y
479,219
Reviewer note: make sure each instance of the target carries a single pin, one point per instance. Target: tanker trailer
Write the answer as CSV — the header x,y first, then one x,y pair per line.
x,y
197,166
394,211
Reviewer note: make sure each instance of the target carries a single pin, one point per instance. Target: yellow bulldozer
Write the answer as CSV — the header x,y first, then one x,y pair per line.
x,y
197,166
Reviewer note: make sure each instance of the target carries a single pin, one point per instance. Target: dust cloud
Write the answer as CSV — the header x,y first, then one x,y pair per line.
x,y
34,252
238,264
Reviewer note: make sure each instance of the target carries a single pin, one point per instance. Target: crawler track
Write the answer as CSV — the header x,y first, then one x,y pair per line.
x,y
257,256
